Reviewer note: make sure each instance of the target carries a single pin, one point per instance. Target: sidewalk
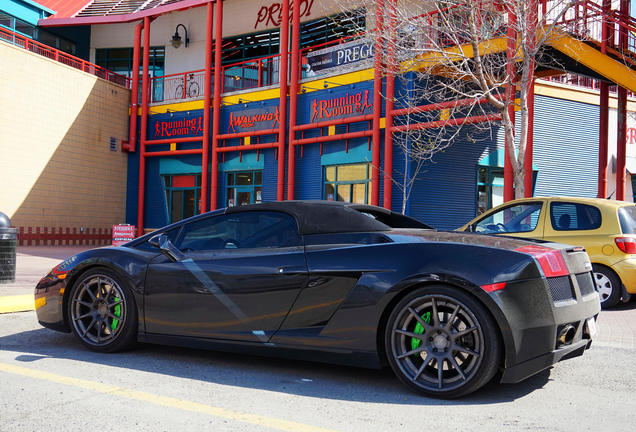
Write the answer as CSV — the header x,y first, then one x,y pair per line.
x,y
32,262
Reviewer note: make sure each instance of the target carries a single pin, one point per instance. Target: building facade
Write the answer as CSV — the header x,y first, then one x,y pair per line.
x,y
245,138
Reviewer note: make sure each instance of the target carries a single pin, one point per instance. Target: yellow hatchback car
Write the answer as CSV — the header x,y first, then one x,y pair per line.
x,y
605,228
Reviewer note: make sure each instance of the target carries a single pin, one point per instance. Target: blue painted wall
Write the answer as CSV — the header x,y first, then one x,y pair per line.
x,y
445,193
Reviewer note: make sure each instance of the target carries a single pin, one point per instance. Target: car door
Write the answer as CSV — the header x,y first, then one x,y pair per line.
x,y
521,219
240,276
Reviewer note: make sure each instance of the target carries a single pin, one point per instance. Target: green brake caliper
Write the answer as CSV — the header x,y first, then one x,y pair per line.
x,y
419,329
117,313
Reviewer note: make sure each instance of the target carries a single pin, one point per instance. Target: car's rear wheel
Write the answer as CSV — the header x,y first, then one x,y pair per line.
x,y
442,342
102,311
608,286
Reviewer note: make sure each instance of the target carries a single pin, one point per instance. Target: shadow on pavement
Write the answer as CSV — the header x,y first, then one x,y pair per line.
x,y
280,375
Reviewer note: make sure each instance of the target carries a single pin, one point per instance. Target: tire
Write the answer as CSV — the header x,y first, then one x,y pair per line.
x,y
463,339
607,285
102,311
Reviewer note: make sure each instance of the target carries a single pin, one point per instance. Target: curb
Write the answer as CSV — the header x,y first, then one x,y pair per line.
x,y
17,303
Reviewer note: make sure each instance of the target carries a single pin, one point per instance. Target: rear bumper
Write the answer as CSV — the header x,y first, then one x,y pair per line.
x,y
528,368
535,322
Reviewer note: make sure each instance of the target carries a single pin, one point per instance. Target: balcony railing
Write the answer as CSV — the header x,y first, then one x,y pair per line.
x,y
243,75
62,57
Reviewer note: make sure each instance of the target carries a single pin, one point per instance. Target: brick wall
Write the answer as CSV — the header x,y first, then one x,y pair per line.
x,y
56,124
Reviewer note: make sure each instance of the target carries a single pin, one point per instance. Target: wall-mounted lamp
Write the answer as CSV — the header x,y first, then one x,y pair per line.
x,y
176,39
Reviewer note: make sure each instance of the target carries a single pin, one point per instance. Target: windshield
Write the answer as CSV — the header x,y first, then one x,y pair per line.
x,y
627,217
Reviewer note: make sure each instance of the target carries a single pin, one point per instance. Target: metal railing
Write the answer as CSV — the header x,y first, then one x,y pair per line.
x,y
28,44
243,75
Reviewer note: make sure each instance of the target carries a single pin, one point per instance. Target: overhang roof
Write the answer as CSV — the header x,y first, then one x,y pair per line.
x,y
83,12
63,8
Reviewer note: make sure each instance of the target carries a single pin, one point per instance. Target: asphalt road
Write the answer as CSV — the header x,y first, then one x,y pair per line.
x,y
48,381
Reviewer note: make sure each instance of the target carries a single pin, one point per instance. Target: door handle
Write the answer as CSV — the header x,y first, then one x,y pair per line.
x,y
291,269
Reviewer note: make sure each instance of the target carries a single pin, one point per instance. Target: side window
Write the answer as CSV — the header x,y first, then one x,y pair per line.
x,y
515,218
574,217
241,230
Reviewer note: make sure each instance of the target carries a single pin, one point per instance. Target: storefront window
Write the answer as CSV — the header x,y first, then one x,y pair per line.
x,y
244,187
183,196
489,188
349,183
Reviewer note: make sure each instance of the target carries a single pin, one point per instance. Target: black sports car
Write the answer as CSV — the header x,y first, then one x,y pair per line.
x,y
334,282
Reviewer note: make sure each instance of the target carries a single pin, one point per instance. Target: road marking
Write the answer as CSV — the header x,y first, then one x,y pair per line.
x,y
16,303
166,401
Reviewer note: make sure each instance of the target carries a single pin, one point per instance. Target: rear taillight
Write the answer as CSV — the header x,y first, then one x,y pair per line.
x,y
550,260
626,244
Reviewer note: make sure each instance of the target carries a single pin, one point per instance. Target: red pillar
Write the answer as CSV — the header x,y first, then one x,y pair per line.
x,y
134,96
603,127
207,94
293,100
282,121
621,143
603,144
390,94
509,193
218,84
621,133
377,107
144,127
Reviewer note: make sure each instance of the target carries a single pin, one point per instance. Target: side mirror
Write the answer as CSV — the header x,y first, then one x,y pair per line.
x,y
161,242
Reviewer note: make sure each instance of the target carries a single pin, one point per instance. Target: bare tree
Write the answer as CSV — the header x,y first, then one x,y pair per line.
x,y
464,62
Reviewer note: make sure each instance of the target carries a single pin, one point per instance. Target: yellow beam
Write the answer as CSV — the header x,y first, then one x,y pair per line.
x,y
595,60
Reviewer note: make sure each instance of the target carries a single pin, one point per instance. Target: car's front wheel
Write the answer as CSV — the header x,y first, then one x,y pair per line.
x,y
102,311
608,286
442,342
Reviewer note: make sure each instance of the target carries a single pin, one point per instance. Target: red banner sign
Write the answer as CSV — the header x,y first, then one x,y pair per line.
x,y
123,234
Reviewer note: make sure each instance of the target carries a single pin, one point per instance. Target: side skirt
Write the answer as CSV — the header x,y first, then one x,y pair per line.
x,y
363,359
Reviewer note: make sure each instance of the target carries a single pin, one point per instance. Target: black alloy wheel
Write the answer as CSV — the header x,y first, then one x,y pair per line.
x,y
442,342
102,311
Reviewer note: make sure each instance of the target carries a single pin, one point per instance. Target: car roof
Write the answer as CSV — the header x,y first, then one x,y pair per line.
x,y
602,202
322,217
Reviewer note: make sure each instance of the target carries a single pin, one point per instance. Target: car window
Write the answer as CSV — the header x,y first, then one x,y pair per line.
x,y
511,219
240,230
627,217
566,216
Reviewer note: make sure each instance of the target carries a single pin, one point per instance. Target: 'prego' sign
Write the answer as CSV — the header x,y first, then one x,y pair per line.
x,y
123,234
